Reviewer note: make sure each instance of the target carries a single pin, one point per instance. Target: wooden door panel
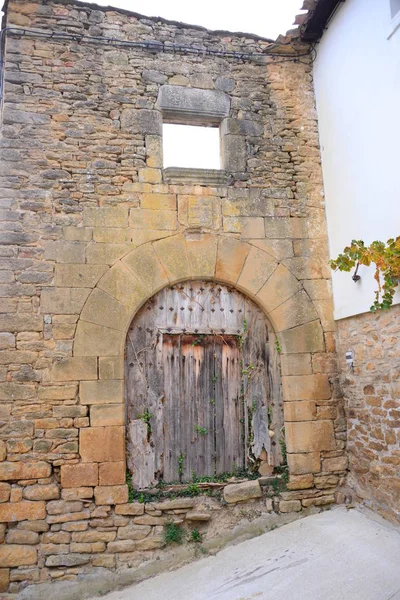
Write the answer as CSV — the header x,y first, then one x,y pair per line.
x,y
202,383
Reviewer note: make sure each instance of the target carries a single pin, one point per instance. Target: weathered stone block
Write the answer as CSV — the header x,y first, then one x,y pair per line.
x,y
121,546
93,536
95,340
17,556
79,493
239,492
74,368
111,367
24,470
202,254
70,252
287,506
300,411
22,511
144,218
244,127
78,276
50,491
151,543
5,491
285,228
322,501
146,267
309,436
231,257
177,504
142,121
106,216
305,338
196,515
133,532
293,312
156,201
61,507
22,537
192,105
107,391
173,256
300,482
106,311
106,254
113,494
258,267
234,157
102,444
296,364
4,579
248,227
149,175
3,451
58,537
67,560
339,463
281,286
302,464
306,387
63,301
120,283
107,414
88,548
112,473
81,475
134,509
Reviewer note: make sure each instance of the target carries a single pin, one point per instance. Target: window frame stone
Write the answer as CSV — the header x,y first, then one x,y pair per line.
x,y
181,105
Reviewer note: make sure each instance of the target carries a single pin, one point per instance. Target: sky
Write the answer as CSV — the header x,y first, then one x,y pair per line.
x,y
267,18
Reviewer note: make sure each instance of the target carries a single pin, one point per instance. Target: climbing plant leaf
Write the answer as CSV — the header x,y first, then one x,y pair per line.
x,y
385,257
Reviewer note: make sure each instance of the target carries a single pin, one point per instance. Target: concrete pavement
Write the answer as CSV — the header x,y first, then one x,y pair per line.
x,y
335,555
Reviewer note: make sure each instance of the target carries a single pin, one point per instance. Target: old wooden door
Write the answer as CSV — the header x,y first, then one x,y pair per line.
x,y
202,385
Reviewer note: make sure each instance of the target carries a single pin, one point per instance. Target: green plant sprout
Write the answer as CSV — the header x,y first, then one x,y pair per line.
x,y
145,417
173,533
200,430
195,536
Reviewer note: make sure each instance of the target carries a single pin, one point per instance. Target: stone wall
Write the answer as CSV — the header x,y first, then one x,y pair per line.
x,y
91,227
372,393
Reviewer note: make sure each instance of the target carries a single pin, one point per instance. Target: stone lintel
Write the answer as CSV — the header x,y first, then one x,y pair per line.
x,y
192,105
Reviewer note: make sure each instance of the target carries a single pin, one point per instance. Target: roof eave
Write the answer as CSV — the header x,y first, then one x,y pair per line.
x,y
315,24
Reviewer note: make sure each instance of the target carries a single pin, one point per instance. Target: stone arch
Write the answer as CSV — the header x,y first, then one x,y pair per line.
x,y
141,273
131,281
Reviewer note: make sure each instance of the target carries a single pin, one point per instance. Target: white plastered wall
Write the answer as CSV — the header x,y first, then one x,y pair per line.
x,y
357,86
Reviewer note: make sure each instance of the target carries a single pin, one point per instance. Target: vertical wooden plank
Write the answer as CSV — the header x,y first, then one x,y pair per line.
x,y
276,401
140,453
141,457
172,443
229,438
257,384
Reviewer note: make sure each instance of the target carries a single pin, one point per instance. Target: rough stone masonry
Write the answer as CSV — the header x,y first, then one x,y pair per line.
x,y
92,226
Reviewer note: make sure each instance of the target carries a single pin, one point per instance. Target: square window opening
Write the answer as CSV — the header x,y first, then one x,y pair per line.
x,y
191,146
